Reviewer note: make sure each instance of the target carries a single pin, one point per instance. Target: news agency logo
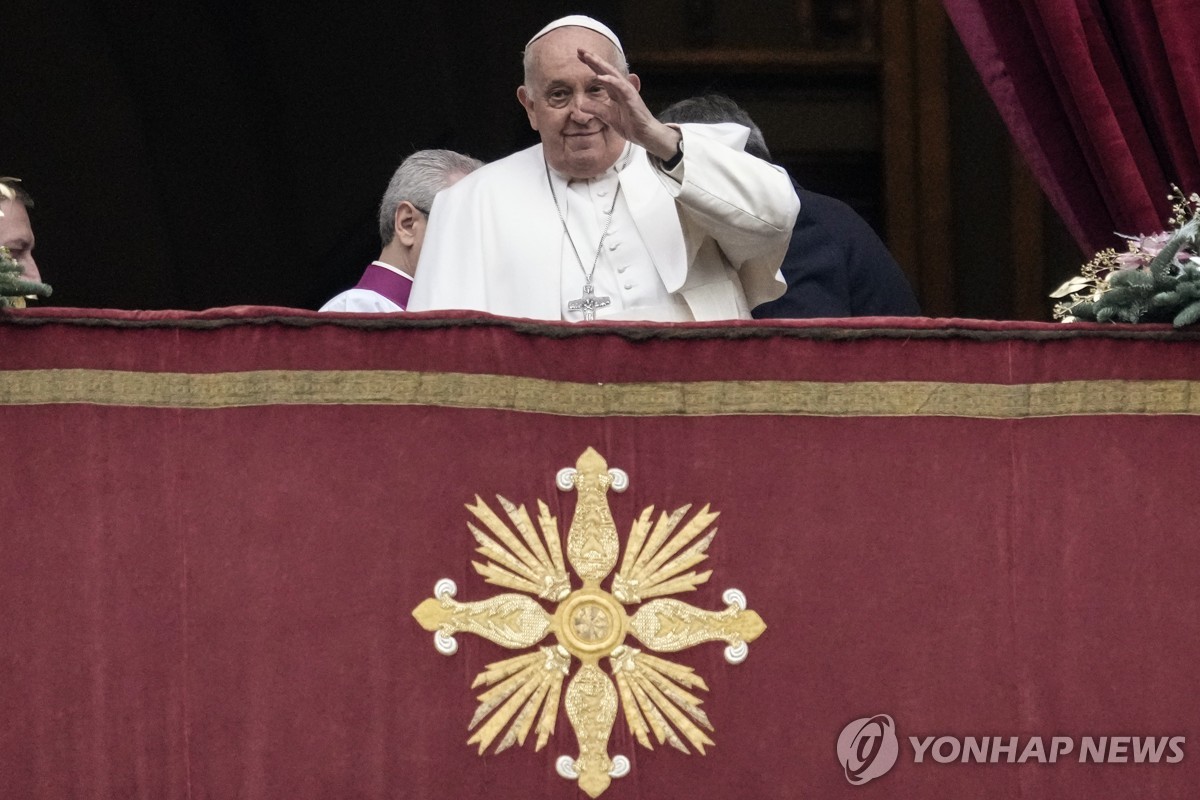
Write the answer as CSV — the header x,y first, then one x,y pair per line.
x,y
868,748
1039,750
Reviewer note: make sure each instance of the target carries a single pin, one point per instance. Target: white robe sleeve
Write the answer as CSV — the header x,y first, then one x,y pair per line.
x,y
747,205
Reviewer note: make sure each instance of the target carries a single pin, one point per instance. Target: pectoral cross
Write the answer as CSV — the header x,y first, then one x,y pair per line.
x,y
589,302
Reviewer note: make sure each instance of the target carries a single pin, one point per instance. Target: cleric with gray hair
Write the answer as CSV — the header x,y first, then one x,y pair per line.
x,y
418,180
403,215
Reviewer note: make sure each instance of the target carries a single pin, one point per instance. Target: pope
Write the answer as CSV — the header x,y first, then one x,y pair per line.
x,y
614,215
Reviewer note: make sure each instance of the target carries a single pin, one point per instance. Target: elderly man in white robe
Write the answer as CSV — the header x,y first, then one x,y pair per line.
x,y
614,215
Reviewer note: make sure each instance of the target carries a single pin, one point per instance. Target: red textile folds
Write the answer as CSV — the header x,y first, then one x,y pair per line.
x,y
215,528
1101,96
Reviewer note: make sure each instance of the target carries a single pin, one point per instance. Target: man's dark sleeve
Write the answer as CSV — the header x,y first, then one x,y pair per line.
x,y
836,266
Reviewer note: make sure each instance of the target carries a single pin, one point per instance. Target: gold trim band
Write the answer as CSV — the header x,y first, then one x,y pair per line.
x,y
534,395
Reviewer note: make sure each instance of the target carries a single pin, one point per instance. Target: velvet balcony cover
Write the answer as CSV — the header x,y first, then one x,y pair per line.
x,y
215,528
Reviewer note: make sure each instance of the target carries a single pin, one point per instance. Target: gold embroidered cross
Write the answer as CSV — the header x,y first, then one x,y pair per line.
x,y
590,624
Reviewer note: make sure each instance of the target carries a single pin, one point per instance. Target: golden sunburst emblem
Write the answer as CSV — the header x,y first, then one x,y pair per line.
x,y
590,624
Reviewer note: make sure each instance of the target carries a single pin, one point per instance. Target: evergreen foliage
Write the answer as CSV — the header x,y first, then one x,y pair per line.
x,y
13,288
1157,280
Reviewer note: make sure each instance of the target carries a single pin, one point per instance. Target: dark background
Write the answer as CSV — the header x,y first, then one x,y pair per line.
x,y
203,153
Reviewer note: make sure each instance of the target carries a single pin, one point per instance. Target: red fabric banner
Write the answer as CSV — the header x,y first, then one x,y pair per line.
x,y
216,528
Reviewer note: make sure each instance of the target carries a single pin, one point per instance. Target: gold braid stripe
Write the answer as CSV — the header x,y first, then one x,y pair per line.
x,y
533,395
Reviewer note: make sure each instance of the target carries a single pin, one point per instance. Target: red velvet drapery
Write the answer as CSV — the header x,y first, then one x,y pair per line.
x,y
1102,98
214,528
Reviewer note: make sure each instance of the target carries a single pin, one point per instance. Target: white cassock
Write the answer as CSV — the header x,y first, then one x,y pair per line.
x,y
703,241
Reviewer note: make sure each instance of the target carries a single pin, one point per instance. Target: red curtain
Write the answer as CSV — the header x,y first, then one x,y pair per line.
x,y
1102,98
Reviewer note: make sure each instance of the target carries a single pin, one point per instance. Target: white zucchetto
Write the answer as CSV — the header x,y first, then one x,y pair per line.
x,y
579,21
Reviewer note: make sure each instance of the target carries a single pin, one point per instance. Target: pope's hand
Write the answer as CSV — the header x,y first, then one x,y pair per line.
x,y
626,112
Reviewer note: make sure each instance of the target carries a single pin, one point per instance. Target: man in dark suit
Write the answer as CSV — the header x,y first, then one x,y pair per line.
x,y
836,265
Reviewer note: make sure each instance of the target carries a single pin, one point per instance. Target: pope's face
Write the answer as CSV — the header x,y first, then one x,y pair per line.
x,y
576,144
17,235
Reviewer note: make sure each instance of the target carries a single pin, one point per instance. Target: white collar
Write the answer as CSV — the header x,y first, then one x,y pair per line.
x,y
390,268
617,167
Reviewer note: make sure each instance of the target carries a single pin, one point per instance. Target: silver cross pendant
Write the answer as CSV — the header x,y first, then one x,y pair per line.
x,y
589,302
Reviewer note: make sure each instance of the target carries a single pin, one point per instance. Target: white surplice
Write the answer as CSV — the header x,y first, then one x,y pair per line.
x,y
361,301
368,301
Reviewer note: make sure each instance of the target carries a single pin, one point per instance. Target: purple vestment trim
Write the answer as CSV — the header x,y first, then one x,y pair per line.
x,y
387,283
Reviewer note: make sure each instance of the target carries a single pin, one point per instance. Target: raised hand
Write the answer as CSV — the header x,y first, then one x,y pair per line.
x,y
625,111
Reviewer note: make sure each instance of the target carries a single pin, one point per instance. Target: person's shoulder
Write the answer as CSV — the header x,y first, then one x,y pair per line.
x,y
832,212
876,284
495,176
498,172
338,302
825,203
360,301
